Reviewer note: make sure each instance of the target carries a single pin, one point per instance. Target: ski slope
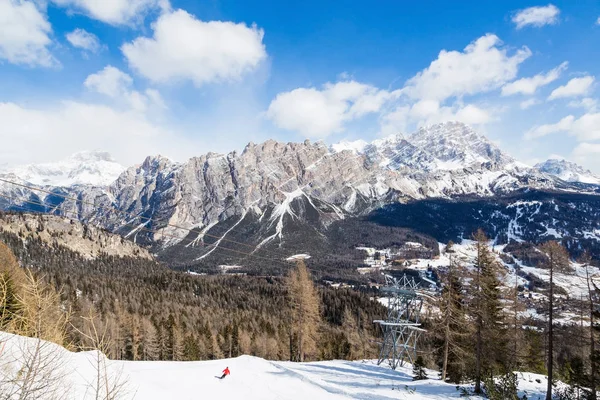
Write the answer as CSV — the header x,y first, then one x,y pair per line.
x,y
251,378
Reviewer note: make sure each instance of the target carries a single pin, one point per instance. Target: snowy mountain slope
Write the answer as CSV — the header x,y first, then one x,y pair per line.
x,y
251,378
214,192
568,171
85,168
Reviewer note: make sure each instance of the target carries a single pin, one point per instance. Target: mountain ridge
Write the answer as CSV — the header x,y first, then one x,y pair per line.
x,y
271,188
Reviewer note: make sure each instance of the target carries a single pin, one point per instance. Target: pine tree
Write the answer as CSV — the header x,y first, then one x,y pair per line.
x,y
419,370
487,311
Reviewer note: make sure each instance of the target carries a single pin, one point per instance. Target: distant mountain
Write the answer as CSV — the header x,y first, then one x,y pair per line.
x,y
92,168
283,197
568,171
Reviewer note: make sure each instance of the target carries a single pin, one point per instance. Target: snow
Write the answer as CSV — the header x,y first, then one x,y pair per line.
x,y
251,378
298,257
568,171
356,146
84,168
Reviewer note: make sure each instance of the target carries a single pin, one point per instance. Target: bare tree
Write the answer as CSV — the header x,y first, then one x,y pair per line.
x,y
591,290
108,383
557,260
41,372
304,312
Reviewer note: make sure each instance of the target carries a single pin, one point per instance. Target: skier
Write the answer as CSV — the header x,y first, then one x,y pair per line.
x,y
225,373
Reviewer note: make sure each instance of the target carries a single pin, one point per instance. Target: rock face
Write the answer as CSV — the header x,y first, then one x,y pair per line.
x,y
88,241
271,187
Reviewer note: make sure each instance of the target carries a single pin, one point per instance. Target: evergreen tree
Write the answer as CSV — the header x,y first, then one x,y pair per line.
x,y
487,313
419,370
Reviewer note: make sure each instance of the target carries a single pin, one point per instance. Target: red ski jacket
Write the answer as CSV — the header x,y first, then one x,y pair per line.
x,y
226,371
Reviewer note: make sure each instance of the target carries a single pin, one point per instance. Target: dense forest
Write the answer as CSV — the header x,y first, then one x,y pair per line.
x,y
153,313
138,309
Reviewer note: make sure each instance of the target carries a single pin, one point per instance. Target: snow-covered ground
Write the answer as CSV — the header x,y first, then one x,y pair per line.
x,y
573,282
251,377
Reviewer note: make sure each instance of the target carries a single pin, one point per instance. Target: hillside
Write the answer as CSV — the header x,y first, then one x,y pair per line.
x,y
251,378
278,199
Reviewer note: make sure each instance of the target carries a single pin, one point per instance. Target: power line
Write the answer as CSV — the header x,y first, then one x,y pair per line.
x,y
164,234
146,219
282,262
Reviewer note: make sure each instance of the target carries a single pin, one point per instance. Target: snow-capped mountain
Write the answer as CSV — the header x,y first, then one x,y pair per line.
x,y
568,171
277,193
92,168
442,147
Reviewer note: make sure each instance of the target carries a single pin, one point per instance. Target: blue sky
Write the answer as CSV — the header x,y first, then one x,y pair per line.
x,y
181,78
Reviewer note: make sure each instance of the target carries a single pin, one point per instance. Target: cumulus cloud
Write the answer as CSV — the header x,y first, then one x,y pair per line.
x,y
25,34
586,103
114,12
543,130
536,16
82,39
69,127
525,104
185,48
110,81
575,87
427,112
584,128
528,86
318,113
116,84
484,65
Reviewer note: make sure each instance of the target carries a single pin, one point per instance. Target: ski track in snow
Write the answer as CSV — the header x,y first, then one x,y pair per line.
x,y
251,378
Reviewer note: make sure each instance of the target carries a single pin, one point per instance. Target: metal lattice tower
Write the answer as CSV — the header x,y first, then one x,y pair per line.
x,y
401,327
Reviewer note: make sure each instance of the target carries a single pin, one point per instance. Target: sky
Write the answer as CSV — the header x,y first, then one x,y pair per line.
x,y
184,77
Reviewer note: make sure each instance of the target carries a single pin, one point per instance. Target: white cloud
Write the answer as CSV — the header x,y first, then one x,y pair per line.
x,y
563,125
319,113
110,81
525,104
587,127
114,12
586,103
184,47
82,39
72,126
25,34
116,84
536,16
575,87
584,128
528,86
427,112
483,66
598,21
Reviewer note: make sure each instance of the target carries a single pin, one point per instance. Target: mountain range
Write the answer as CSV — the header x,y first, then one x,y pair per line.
x,y
278,199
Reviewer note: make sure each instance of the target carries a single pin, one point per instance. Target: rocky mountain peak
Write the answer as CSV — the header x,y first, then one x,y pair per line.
x,y
456,145
568,171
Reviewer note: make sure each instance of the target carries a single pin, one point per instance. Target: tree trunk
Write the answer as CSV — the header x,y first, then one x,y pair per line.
x,y
592,342
550,332
446,348
478,358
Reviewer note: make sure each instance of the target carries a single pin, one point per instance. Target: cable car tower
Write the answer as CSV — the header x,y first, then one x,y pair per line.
x,y
401,329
